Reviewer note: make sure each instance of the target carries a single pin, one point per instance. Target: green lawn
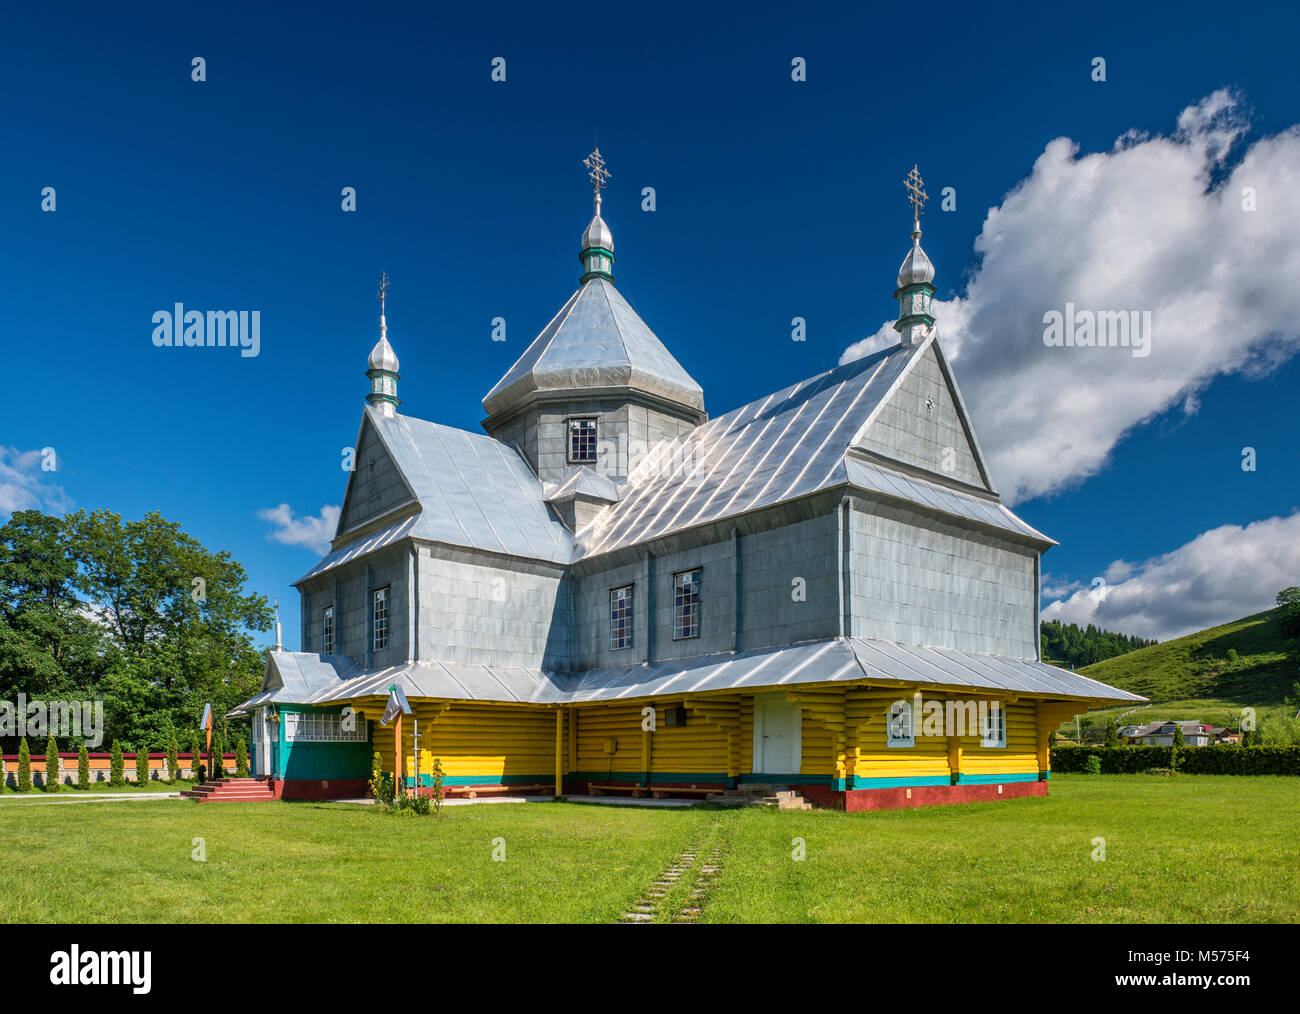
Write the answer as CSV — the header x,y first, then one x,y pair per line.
x,y
1187,849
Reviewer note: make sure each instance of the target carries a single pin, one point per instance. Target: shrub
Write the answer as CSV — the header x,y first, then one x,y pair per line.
x,y
51,766
141,766
173,760
1092,765
1223,759
116,766
1179,738
83,768
438,775
1112,733
381,784
24,766
241,758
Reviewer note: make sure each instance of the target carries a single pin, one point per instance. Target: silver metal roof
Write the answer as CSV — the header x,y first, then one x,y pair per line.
x,y
786,445
596,340
583,481
833,661
472,491
294,677
888,482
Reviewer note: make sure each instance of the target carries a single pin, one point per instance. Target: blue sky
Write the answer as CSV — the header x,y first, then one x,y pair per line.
x,y
775,199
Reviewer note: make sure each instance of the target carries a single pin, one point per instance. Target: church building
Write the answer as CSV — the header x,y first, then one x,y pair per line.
x,y
608,591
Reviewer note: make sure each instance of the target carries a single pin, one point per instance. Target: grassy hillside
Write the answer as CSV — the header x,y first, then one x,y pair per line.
x,y
1196,678
1200,666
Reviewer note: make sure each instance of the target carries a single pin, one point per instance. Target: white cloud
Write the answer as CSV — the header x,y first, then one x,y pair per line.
x,y
1157,224
1221,575
25,485
314,533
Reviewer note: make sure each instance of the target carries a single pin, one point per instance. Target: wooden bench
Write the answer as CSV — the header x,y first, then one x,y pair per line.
x,y
657,792
669,789
471,792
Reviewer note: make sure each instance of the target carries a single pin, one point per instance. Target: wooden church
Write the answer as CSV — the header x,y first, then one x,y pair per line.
x,y
607,591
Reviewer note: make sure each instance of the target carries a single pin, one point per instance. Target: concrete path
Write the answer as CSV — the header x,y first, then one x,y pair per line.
x,y
463,802
38,798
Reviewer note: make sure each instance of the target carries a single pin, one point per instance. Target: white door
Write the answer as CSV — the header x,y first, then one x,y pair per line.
x,y
261,744
777,738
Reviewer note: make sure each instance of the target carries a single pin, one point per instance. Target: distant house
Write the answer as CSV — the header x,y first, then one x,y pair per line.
x,y
1162,734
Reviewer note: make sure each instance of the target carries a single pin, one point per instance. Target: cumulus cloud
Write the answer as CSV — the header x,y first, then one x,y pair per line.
x,y
25,482
314,533
1156,223
1221,575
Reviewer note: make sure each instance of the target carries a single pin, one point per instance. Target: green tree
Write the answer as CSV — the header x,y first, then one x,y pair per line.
x,y
177,618
1289,600
24,767
1179,739
173,759
141,766
241,758
83,767
116,766
1112,733
51,766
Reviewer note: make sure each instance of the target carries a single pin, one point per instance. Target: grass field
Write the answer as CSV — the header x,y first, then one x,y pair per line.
x,y
1187,849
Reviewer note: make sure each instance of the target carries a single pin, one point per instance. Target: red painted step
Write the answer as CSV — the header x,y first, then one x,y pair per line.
x,y
231,790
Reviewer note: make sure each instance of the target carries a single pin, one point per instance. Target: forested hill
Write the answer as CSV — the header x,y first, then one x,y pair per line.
x,y
1070,644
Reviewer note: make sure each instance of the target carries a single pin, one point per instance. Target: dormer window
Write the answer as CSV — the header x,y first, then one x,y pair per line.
x,y
582,440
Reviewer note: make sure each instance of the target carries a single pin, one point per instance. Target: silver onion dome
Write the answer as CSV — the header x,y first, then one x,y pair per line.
x,y
598,235
916,266
382,356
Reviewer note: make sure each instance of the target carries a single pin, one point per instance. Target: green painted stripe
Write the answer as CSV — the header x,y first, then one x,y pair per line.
x,y
999,779
900,782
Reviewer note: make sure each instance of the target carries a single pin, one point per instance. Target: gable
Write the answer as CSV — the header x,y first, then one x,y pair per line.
x,y
922,423
375,485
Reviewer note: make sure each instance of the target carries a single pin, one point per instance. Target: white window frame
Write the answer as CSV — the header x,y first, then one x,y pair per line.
x,y
681,631
327,630
615,603
900,708
994,734
316,727
379,624
595,438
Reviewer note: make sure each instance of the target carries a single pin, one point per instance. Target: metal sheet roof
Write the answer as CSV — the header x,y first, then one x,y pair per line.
x,y
786,445
831,661
596,340
878,479
472,490
295,677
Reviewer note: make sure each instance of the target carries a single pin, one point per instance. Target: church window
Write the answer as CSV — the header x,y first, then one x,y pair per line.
x,y
898,730
582,440
620,618
686,604
995,725
380,615
327,631
311,727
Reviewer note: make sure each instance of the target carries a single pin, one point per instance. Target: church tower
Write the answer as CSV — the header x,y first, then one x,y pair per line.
x,y
597,390
914,292
383,364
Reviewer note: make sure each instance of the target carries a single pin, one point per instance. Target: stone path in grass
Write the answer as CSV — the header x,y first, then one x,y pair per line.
x,y
653,906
